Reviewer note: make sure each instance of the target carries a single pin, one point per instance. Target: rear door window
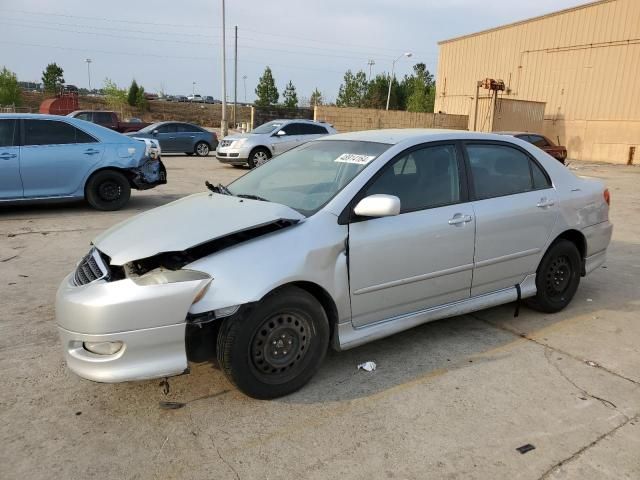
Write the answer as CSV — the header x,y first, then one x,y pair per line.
x,y
8,133
499,170
102,117
539,141
53,132
186,128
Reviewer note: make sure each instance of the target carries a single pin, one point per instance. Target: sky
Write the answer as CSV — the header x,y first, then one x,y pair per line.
x,y
167,45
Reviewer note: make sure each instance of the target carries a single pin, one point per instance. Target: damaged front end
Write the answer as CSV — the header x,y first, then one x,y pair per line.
x,y
121,321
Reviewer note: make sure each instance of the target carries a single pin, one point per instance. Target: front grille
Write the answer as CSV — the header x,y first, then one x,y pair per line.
x,y
91,268
226,143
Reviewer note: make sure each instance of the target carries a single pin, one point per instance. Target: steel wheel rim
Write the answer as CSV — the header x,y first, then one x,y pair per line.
x,y
558,277
280,346
203,149
109,191
260,158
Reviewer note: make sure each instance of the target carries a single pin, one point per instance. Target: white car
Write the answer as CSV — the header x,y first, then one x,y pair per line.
x,y
268,140
340,242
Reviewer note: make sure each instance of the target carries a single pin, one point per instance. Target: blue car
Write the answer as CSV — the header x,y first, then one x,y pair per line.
x,y
179,137
49,157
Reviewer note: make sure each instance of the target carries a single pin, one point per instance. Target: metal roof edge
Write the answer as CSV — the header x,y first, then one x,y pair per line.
x,y
526,20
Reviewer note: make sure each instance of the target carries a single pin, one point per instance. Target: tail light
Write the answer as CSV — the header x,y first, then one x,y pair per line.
x,y
607,196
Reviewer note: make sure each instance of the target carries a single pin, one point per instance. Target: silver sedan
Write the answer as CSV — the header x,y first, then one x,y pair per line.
x,y
339,242
269,140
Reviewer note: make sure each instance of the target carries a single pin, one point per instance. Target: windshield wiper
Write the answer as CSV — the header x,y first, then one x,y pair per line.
x,y
217,188
252,197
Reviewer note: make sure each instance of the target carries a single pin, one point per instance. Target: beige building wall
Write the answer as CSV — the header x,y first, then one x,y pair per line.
x,y
354,119
583,62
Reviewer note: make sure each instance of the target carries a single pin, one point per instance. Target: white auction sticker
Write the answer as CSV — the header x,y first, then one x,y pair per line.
x,y
354,158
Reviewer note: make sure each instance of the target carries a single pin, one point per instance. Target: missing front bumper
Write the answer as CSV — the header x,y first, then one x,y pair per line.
x,y
151,174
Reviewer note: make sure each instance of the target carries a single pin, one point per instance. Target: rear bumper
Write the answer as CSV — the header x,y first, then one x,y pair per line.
x,y
598,237
151,174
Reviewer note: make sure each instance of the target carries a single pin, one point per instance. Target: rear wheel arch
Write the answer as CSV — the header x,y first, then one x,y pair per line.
x,y
123,171
578,239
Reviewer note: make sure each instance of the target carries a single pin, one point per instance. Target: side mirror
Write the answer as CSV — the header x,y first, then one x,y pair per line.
x,y
281,133
155,132
378,206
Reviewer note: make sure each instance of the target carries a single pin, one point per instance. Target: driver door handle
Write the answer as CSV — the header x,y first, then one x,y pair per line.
x,y
545,203
459,219
91,151
8,156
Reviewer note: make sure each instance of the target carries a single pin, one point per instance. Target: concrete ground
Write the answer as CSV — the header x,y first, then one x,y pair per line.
x,y
450,399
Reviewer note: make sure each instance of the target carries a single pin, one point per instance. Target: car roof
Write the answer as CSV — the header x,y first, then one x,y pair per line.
x,y
513,134
395,136
297,120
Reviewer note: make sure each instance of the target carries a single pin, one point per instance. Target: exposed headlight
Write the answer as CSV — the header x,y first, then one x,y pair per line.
x,y
161,277
238,143
103,348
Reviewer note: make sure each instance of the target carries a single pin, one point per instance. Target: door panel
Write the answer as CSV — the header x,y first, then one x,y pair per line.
x,y
409,262
511,233
516,209
10,181
281,144
422,257
55,169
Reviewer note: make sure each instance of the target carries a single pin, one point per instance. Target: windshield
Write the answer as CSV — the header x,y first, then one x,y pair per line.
x,y
267,127
148,128
307,177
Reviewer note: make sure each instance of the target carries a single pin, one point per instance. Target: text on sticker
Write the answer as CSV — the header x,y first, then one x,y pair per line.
x,y
354,158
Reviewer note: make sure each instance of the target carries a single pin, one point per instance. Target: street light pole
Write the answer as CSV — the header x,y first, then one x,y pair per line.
x,y
244,78
223,122
392,76
88,60
235,78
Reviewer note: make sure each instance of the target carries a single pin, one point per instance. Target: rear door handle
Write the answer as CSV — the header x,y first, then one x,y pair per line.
x,y
459,219
7,156
545,203
91,152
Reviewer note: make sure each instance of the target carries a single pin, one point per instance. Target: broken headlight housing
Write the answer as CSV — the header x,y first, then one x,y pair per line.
x,y
162,276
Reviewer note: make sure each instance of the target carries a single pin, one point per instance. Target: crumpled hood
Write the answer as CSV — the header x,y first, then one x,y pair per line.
x,y
185,223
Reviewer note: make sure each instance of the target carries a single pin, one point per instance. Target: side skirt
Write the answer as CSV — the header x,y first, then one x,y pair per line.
x,y
349,337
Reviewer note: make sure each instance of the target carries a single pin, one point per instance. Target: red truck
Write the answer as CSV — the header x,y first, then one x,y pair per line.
x,y
109,120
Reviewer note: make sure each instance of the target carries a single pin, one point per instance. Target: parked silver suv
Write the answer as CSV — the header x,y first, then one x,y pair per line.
x,y
268,140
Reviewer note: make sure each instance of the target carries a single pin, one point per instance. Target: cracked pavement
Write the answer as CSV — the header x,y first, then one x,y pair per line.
x,y
450,399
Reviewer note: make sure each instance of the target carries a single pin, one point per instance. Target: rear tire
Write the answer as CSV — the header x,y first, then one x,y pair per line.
x,y
275,348
202,149
258,156
108,190
557,278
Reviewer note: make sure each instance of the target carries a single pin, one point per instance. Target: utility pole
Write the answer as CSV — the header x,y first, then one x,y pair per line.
x,y
223,122
88,60
193,91
235,78
244,78
371,63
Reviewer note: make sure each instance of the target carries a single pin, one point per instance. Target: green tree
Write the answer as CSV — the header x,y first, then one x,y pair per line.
x,y
419,89
141,100
377,91
9,89
132,96
316,98
353,90
116,97
266,90
290,96
52,78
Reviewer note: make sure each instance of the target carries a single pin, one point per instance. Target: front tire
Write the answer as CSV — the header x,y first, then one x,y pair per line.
x,y
259,156
202,149
557,278
275,348
108,190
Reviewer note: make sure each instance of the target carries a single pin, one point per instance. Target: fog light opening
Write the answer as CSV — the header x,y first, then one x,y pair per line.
x,y
103,348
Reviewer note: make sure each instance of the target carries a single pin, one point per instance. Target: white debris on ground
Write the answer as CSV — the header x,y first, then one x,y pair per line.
x,y
367,366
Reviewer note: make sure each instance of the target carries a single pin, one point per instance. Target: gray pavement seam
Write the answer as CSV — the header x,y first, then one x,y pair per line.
x,y
579,452
555,349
